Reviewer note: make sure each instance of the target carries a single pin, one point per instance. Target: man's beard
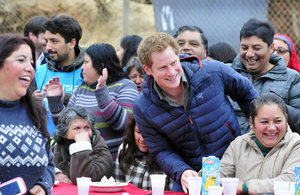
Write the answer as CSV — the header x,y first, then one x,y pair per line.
x,y
58,58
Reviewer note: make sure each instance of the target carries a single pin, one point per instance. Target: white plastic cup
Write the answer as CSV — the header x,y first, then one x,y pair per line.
x,y
215,190
230,185
194,184
284,192
158,183
292,187
281,186
83,185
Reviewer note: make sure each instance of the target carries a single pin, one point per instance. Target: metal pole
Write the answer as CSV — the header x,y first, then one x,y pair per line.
x,y
126,10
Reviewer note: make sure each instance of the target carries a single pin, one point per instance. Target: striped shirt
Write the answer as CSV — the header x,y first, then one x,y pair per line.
x,y
111,104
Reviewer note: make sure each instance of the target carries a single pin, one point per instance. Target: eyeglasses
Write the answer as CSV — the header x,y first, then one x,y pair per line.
x,y
134,77
281,50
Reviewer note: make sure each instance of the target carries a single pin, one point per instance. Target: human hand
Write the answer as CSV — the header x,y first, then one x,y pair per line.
x,y
82,136
38,94
102,79
54,87
62,178
37,190
184,176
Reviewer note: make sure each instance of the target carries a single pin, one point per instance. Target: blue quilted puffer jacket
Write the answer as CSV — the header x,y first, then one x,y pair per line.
x,y
179,139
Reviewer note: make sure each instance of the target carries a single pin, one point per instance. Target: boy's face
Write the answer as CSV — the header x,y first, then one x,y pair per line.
x,y
166,69
255,54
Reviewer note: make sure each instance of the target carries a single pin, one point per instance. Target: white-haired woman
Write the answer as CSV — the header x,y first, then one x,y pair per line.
x,y
80,149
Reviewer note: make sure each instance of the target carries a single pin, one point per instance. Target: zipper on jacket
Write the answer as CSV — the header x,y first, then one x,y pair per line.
x,y
231,129
191,121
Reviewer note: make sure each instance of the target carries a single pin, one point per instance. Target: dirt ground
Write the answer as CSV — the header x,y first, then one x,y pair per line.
x,y
101,20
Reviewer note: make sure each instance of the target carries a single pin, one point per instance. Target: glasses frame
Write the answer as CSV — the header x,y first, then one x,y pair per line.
x,y
281,50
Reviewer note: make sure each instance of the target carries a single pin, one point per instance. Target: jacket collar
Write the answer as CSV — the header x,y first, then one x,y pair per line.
x,y
276,73
70,68
191,65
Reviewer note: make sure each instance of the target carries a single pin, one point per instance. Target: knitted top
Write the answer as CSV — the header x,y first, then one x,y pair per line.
x,y
24,150
111,104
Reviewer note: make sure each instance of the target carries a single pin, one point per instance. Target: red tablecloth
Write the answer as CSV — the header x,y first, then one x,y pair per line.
x,y
70,189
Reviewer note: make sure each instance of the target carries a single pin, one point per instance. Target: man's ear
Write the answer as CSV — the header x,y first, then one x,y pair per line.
x,y
31,36
72,43
205,53
147,69
272,48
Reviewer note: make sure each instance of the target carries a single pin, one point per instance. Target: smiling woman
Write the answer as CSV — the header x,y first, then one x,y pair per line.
x,y
17,72
268,153
23,129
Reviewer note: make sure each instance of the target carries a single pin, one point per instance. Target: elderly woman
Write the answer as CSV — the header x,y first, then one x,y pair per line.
x,y
284,47
80,149
105,92
25,149
268,153
135,72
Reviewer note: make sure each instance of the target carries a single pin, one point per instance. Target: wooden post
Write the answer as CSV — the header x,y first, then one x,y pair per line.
x,y
126,10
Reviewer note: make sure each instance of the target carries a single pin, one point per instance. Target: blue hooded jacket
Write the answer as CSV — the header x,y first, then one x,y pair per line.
x,y
179,139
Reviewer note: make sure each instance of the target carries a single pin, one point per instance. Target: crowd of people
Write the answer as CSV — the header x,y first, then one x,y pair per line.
x,y
156,105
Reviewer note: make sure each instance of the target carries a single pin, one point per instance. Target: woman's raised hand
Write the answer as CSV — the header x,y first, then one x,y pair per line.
x,y
102,79
54,87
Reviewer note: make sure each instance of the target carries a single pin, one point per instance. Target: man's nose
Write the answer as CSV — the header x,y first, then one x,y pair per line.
x,y
186,46
250,53
48,45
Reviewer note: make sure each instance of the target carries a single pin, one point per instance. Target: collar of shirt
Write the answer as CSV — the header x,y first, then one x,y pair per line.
x,y
40,59
185,86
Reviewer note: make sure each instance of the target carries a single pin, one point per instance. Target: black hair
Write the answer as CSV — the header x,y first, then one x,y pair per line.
x,y
134,62
266,98
36,25
130,148
104,55
222,52
67,27
35,110
193,29
130,44
255,27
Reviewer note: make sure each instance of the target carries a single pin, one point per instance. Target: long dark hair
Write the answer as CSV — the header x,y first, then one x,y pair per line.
x,y
36,111
130,148
267,99
104,55
130,44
